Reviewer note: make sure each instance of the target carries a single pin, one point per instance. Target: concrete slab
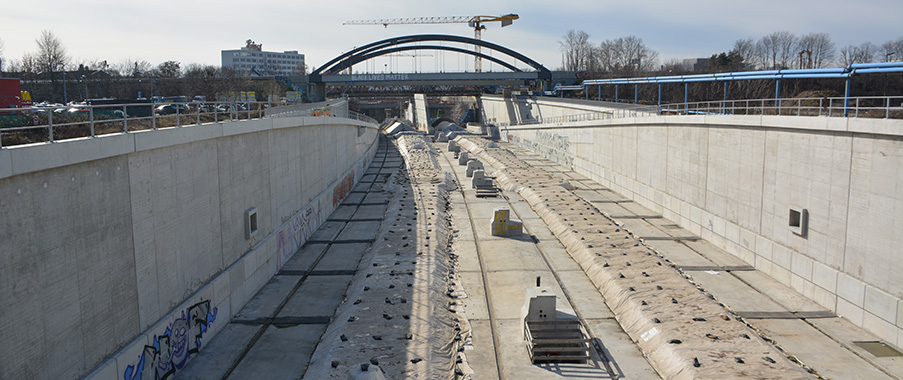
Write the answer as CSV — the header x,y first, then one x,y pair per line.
x,y
780,293
304,258
714,254
845,332
636,208
670,228
265,302
558,257
679,253
327,231
511,254
586,298
627,360
818,351
359,231
376,198
612,209
468,260
355,198
318,296
342,257
481,355
218,355
643,229
342,213
370,212
475,303
281,353
734,293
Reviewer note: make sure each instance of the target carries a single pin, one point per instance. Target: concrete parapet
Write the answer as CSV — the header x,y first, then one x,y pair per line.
x,y
162,211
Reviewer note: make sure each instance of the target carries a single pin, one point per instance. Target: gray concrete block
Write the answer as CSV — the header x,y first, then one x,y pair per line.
x,y
880,304
851,289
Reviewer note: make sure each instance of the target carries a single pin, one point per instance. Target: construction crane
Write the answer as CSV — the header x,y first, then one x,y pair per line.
x,y
475,22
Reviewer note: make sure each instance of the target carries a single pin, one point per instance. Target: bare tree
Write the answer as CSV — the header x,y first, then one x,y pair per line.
x,y
169,69
51,56
821,48
858,54
778,49
132,68
575,50
745,48
893,50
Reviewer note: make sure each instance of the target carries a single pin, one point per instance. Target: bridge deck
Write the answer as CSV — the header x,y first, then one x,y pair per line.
x,y
277,334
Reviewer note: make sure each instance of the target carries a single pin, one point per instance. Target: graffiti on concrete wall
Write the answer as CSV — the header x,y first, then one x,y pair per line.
x,y
296,232
342,189
549,145
171,350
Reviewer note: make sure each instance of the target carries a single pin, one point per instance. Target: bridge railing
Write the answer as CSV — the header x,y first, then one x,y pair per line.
x,y
881,107
20,126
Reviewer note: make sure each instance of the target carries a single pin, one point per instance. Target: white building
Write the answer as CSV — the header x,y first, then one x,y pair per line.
x,y
253,61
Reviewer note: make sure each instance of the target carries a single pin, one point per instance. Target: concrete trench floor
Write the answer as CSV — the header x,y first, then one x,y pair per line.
x,y
298,324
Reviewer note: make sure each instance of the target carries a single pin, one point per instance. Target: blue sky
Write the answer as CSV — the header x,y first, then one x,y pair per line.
x,y
195,31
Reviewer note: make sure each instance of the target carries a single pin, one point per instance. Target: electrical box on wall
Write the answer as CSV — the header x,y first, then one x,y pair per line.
x,y
250,223
799,221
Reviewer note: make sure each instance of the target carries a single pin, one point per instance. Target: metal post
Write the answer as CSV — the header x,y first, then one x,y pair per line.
x,y
600,92
65,94
686,97
724,108
91,118
846,99
50,124
777,95
659,94
636,93
125,119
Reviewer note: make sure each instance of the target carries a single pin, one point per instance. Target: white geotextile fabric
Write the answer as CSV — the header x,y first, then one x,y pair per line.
x,y
397,311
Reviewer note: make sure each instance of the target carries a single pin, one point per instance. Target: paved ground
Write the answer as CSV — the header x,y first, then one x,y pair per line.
x,y
275,335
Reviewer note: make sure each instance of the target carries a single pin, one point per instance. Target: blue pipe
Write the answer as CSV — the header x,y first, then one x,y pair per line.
x,y
616,93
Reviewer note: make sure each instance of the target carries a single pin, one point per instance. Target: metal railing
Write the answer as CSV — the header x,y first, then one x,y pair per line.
x,y
880,107
20,126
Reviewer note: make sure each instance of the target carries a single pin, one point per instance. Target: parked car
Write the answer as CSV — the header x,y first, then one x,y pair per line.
x,y
170,109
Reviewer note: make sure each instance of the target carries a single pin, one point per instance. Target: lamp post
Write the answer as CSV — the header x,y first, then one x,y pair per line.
x,y
65,95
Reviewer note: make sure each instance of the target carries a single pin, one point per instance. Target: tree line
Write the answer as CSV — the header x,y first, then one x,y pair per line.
x,y
625,56
43,71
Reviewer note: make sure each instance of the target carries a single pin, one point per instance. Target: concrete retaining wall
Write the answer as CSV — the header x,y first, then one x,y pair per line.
x,y
733,180
527,109
122,255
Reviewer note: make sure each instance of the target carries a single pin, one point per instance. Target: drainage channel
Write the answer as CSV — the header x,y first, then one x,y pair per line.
x,y
272,319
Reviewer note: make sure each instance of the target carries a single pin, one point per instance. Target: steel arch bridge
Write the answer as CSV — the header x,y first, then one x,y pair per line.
x,y
327,74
